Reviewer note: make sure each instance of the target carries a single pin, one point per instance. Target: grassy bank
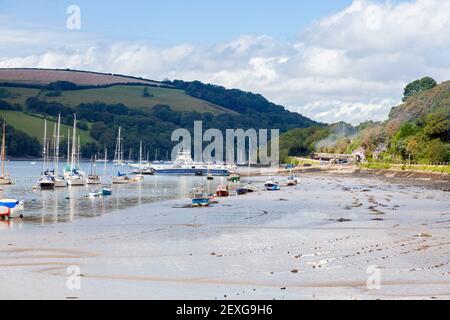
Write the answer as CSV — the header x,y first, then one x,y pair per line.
x,y
404,167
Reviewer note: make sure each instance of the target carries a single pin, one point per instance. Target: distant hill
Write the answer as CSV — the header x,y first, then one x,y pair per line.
x,y
146,109
46,76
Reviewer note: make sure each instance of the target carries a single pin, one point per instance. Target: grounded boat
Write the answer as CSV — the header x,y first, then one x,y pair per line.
x,y
184,165
241,191
200,197
106,192
11,208
5,179
250,187
292,181
234,177
271,185
222,191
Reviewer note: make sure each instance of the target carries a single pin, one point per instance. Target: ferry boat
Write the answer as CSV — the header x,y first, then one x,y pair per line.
x,y
184,165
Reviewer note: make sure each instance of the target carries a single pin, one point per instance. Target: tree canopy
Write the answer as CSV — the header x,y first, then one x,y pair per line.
x,y
418,86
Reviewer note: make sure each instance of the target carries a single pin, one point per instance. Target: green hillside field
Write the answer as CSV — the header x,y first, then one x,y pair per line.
x,y
131,96
34,125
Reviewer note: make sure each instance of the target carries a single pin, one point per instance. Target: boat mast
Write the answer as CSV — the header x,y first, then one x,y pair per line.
x,y
249,157
58,132
74,137
44,145
68,147
78,152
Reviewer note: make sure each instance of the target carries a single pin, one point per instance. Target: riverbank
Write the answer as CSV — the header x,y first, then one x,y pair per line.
x,y
323,239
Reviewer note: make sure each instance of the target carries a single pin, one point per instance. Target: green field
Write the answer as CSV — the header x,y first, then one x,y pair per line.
x,y
131,96
34,126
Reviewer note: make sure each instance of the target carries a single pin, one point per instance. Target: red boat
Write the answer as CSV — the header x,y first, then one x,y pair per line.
x,y
222,191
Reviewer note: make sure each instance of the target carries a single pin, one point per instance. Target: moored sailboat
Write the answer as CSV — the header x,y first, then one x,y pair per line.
x,y
46,181
120,178
74,176
5,179
93,177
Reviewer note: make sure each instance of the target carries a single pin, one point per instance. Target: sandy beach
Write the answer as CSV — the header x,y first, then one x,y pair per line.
x,y
322,239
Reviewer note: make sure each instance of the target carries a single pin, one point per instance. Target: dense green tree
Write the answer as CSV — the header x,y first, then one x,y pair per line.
x,y
418,86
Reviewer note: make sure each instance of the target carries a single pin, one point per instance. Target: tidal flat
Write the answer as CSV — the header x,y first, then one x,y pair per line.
x,y
330,237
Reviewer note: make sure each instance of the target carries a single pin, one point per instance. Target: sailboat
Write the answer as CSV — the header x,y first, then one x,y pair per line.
x,y
74,176
93,177
59,180
138,176
46,181
249,186
118,160
4,178
292,180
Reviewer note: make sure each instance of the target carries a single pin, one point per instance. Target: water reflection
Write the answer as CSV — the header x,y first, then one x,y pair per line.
x,y
68,204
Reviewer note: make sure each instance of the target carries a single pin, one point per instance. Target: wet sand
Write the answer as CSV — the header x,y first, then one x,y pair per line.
x,y
319,240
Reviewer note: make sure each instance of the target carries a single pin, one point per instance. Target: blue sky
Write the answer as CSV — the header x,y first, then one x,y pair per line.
x,y
330,60
175,21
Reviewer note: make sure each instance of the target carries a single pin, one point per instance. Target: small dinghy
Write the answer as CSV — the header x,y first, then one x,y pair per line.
x,y
234,177
222,191
106,192
200,198
250,187
241,190
271,185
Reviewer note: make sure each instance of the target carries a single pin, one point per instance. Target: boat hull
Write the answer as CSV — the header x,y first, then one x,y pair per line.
x,y
120,181
192,172
5,181
222,193
60,183
203,202
76,182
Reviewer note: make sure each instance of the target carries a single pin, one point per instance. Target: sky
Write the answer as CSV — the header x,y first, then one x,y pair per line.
x,y
330,60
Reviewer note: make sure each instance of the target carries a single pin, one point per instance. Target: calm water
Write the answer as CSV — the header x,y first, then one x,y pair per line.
x,y
68,204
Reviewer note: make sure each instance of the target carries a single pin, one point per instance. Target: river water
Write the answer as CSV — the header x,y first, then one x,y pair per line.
x,y
69,204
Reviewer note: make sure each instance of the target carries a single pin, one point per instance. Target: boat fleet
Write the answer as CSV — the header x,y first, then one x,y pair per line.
x,y
201,198
53,176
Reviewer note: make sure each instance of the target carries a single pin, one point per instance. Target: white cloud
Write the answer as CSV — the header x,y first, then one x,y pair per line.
x,y
349,66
